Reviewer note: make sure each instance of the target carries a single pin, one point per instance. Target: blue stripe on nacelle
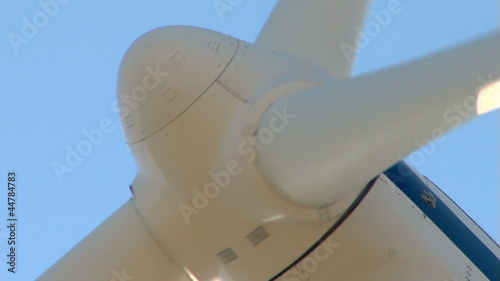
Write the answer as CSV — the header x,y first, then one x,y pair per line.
x,y
447,221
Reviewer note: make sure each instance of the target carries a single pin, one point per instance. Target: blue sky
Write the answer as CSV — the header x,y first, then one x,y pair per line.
x,y
61,82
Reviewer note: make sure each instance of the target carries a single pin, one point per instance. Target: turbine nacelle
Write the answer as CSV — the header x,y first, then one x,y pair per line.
x,y
164,72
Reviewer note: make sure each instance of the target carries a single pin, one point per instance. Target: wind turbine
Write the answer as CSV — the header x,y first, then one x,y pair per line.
x,y
238,144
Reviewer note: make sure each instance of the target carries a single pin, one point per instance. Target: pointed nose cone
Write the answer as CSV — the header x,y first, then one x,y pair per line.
x,y
164,72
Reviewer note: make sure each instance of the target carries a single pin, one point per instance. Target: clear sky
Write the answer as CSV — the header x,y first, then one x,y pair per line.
x,y
60,80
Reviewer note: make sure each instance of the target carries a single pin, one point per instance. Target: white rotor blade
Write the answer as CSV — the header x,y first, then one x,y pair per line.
x,y
121,248
345,134
316,30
